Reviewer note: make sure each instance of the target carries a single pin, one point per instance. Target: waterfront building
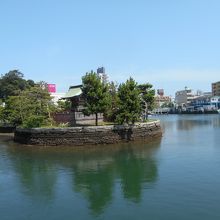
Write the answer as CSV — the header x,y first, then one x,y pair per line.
x,y
161,100
215,101
75,115
163,104
102,75
201,103
184,97
207,94
216,89
205,103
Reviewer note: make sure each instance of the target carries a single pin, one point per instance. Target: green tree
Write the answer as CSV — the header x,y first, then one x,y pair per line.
x,y
95,94
147,97
12,83
30,108
110,114
129,105
1,114
63,105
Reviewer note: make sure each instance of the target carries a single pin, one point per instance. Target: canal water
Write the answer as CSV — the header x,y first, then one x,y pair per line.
x,y
175,177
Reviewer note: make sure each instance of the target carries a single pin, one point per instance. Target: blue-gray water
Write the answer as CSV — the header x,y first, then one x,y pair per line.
x,y
176,177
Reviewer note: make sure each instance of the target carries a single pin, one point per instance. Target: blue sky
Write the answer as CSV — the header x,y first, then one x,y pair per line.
x,y
169,43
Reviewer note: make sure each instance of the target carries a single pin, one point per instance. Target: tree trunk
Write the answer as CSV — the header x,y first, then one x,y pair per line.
x,y
146,112
96,119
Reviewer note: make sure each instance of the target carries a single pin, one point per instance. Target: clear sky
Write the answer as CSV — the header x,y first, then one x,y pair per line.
x,y
169,43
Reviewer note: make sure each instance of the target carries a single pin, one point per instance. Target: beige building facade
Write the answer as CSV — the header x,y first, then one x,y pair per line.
x,y
216,89
184,97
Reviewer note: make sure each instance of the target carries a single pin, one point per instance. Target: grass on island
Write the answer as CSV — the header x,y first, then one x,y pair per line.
x,y
101,123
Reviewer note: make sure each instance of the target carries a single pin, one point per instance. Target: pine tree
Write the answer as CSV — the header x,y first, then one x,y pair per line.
x,y
96,95
147,97
129,106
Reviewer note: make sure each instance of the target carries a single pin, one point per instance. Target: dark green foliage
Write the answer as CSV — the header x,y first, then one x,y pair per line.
x,y
63,105
129,105
95,93
31,83
30,107
1,114
111,112
12,83
147,97
34,121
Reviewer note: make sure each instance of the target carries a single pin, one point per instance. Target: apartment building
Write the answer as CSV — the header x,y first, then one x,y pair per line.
x,y
216,89
184,97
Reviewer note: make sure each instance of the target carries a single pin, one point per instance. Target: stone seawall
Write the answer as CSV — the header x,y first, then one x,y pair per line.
x,y
7,129
91,135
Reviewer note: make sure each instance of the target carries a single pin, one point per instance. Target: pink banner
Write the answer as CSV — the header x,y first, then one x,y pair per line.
x,y
51,88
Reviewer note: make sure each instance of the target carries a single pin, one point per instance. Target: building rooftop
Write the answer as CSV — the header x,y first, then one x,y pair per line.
x,y
73,91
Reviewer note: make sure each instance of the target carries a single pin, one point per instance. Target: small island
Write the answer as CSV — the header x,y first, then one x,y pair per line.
x,y
88,135
109,113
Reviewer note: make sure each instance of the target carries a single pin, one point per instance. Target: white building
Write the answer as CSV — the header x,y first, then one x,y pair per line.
x,y
215,102
184,97
102,75
56,96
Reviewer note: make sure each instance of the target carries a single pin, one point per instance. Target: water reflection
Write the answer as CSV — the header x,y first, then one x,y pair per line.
x,y
96,186
189,122
94,173
35,174
135,170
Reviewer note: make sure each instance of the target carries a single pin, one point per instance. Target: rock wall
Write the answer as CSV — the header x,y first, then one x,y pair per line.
x,y
91,135
7,129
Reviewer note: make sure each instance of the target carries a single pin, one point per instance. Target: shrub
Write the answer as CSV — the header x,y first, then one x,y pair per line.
x,y
34,121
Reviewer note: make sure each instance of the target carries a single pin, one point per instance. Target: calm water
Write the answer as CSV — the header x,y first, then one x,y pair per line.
x,y
177,177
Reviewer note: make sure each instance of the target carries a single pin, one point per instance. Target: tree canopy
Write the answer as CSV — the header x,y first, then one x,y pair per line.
x,y
147,97
12,83
28,104
129,105
96,95
111,112
30,108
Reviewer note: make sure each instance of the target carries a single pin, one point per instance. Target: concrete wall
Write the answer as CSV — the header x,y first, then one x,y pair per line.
x,y
91,135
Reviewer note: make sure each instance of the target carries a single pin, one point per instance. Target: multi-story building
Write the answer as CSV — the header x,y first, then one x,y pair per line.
x,y
102,75
160,100
205,102
215,101
184,97
201,103
216,89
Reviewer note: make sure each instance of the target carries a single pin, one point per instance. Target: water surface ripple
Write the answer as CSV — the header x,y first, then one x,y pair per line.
x,y
176,177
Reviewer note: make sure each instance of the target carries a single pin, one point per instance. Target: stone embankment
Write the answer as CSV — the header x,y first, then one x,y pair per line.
x,y
7,129
91,135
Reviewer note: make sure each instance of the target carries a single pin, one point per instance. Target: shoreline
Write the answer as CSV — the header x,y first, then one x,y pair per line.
x,y
91,135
